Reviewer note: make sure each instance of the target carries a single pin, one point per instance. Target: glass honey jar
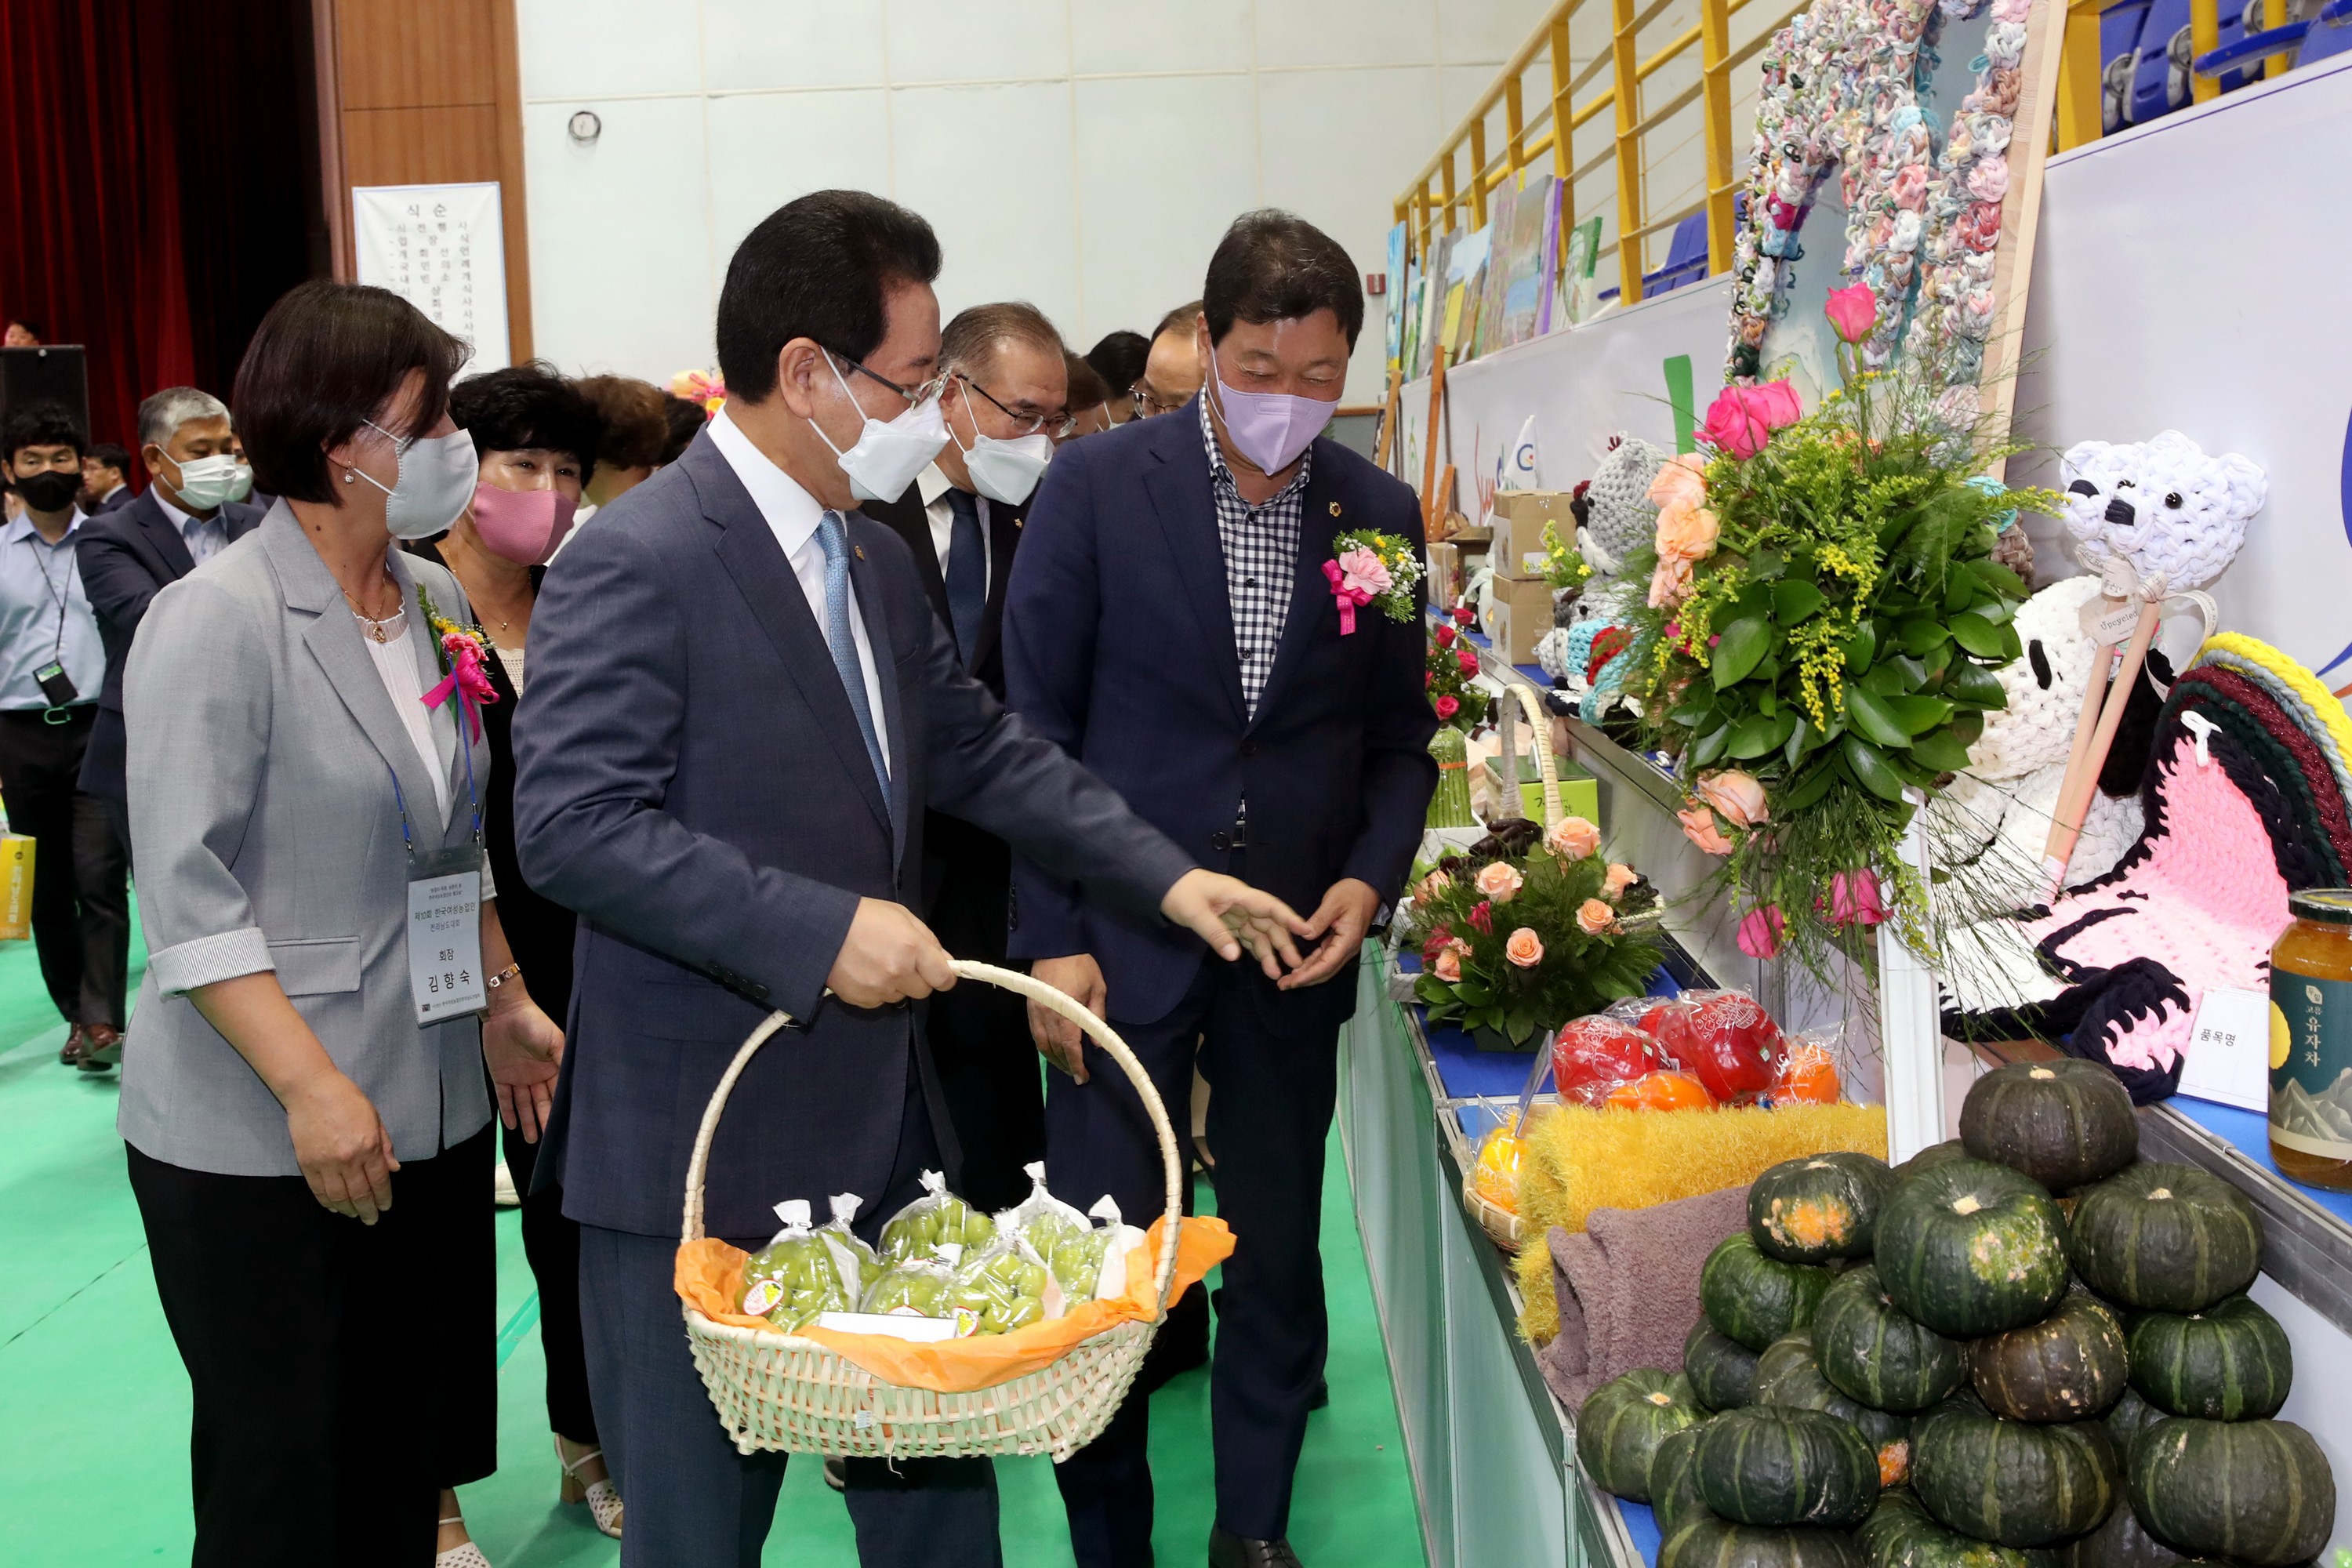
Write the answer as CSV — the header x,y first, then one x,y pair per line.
x,y
2311,1041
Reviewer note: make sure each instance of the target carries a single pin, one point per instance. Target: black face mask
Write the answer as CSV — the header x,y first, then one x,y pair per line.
x,y
52,489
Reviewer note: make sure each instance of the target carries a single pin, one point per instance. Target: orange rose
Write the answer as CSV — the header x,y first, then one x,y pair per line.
x,y
1670,585
1499,882
1593,917
1619,878
1736,794
1698,826
1687,532
1525,949
1448,967
1682,481
1573,839
1432,885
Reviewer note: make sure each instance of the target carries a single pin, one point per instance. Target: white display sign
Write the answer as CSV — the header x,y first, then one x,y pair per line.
x,y
2229,1050
443,249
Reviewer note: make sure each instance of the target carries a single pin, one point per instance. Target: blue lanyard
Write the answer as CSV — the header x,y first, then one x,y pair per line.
x,y
458,718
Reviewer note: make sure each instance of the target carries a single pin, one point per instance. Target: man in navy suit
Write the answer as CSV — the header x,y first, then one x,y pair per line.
x,y
129,554
741,705
1169,624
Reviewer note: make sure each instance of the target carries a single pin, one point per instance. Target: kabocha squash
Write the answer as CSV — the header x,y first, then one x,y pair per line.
x,y
2257,1492
1816,1209
1623,1422
2230,1362
2012,1481
1971,1248
1874,1352
1768,1465
2066,1123
1754,1299
2069,1366
1721,1370
2166,1238
1673,1478
2122,1542
1928,1159
2131,1416
1899,1533
1788,1376
1706,1542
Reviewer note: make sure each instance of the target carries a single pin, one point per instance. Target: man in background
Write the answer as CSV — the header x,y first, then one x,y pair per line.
x,y
1090,411
1119,359
52,663
21,334
187,515
105,479
1171,374
1002,397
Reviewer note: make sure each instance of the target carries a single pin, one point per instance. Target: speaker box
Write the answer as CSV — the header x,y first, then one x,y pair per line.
x,y
32,376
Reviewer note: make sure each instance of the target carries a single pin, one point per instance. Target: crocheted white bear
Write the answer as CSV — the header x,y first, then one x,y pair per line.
x,y
2161,504
1995,818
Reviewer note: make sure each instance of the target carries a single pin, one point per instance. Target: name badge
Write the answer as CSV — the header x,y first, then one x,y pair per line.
x,y
445,934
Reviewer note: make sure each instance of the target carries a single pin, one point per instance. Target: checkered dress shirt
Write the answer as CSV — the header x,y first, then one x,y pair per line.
x,y
1260,546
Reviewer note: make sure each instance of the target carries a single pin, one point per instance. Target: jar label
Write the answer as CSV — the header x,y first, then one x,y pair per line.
x,y
2311,1065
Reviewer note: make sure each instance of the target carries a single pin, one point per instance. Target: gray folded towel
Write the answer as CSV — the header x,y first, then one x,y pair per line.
x,y
1628,1289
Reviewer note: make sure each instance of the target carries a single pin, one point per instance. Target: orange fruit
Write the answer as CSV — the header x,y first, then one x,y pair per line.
x,y
1495,1177
1662,1091
1807,1078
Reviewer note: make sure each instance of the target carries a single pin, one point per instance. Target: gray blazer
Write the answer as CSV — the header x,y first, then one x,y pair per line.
x,y
263,751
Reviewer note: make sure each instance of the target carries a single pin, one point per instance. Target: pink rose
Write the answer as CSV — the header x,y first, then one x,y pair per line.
x,y
1681,481
1482,918
1445,635
1573,839
1698,826
1524,948
1670,585
1499,881
1735,794
1855,900
1742,418
1686,533
1362,568
1448,967
1989,181
1447,707
1910,190
1759,931
1854,310
1619,878
1593,917
1466,660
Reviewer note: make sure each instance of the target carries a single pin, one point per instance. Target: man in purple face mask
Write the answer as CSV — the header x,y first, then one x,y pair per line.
x,y
1169,622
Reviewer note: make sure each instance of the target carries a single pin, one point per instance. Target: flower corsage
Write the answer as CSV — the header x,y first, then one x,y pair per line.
x,y
1369,568
462,650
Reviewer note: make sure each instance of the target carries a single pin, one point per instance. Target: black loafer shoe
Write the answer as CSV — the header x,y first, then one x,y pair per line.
x,y
1227,1550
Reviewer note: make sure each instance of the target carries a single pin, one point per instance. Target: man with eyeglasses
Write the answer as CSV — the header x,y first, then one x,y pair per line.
x,y
1002,386
1171,375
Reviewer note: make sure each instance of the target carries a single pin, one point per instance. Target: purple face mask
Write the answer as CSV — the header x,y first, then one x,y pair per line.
x,y
1270,429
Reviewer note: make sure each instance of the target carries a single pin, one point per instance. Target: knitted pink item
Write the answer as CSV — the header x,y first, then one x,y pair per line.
x,y
2206,904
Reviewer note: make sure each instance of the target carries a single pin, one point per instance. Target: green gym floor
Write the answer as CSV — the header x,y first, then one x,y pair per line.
x,y
94,1404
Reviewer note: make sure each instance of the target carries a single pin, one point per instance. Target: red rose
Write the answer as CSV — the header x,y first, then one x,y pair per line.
x,y
1448,707
1482,918
1428,678
1464,613
1445,635
1468,659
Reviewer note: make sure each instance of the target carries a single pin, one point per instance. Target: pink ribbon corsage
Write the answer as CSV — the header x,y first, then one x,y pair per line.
x,y
1357,577
465,677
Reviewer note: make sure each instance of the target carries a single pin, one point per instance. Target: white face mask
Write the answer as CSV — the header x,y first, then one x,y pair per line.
x,y
240,484
1005,473
887,457
205,482
436,479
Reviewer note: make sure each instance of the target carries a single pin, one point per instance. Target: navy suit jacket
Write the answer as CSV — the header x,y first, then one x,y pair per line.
x,y
1119,647
127,555
691,780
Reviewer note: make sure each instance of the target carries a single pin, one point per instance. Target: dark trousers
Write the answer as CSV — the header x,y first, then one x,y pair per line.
x,y
987,1063
551,1244
317,1353
81,865
1272,1061
693,1501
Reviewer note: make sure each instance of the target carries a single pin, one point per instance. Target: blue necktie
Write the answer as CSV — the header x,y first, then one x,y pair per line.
x,y
833,537
967,574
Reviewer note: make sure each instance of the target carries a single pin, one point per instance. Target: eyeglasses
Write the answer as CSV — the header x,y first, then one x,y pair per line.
x,y
913,394
1147,403
1060,425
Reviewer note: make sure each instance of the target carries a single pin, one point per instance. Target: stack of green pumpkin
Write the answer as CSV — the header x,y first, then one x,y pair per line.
x,y
1969,1373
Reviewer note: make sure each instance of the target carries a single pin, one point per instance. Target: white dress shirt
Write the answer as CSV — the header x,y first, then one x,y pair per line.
x,y
205,536
793,515
933,486
395,666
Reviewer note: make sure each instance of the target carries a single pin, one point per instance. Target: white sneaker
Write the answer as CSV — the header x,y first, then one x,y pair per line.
x,y
502,1187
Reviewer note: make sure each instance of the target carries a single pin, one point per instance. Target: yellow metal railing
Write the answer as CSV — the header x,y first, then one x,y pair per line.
x,y
2081,83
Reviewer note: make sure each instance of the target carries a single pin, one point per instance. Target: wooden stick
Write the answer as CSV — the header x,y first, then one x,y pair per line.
x,y
1431,438
2095,696
1389,408
2072,809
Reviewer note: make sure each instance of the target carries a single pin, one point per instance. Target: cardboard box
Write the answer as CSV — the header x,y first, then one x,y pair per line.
x,y
16,887
1520,519
1523,616
1579,791
1450,561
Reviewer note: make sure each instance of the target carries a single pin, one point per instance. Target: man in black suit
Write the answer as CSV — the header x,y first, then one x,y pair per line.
x,y
1002,401
130,553
105,480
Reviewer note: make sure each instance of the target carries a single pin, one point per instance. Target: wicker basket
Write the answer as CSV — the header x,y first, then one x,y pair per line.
x,y
1503,1228
777,1391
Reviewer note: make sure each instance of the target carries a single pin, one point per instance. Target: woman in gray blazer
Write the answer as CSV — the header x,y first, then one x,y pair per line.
x,y
311,1162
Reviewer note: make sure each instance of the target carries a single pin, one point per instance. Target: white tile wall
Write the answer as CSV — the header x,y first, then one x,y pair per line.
x,y
759,45
955,40
593,49
767,148
1128,38
991,167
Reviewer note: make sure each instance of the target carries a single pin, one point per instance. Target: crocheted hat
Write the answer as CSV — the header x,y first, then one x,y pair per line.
x,y
2162,505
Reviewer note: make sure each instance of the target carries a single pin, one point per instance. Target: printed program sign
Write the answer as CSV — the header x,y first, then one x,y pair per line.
x,y
443,249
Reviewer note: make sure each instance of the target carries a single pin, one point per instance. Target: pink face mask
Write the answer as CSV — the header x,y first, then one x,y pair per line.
x,y
524,526
1270,429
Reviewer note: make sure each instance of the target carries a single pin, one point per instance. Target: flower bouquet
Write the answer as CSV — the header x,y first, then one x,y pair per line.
x,y
1528,929
1452,669
1824,617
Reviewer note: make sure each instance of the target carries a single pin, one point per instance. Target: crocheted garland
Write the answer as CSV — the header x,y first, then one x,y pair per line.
x,y
1842,86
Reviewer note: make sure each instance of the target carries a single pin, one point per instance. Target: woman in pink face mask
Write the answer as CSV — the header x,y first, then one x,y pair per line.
x,y
536,437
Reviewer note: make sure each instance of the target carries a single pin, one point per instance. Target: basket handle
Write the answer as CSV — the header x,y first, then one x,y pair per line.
x,y
1036,989
1546,769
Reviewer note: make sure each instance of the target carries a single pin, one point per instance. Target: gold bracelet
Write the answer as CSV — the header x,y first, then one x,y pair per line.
x,y
512,972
